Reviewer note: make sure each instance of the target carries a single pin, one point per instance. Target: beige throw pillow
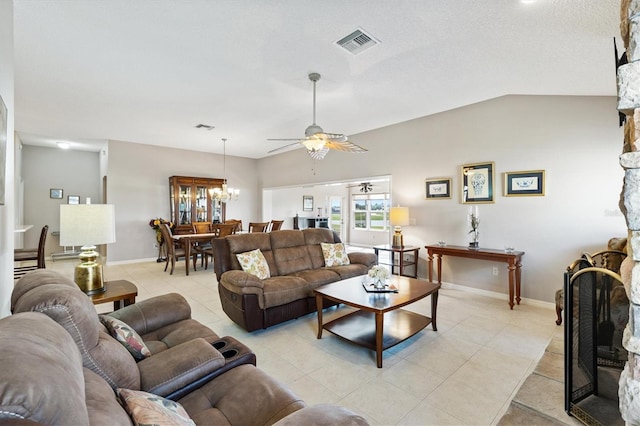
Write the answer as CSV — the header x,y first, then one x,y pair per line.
x,y
148,409
334,254
254,263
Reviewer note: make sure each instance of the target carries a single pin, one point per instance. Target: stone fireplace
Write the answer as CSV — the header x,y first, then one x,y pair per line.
x,y
629,104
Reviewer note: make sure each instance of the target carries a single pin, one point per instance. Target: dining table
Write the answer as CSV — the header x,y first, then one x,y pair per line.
x,y
187,241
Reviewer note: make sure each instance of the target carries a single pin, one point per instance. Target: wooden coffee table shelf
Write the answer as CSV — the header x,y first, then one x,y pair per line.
x,y
379,322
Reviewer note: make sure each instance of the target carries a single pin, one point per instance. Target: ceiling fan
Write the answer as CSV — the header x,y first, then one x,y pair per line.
x,y
364,187
316,141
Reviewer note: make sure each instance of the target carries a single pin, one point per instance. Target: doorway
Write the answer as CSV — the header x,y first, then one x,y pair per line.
x,y
336,219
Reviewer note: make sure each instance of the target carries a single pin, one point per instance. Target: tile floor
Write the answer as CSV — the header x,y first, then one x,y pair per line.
x,y
466,373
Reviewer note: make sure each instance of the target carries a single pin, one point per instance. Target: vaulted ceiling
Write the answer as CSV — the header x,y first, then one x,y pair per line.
x,y
149,71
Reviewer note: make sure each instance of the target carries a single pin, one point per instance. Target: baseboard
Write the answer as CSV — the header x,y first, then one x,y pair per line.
x,y
496,295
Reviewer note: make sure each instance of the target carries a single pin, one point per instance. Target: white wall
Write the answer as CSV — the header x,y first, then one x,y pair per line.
x,y
75,172
575,139
7,210
138,186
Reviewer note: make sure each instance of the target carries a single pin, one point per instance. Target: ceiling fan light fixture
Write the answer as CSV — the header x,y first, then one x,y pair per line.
x,y
313,143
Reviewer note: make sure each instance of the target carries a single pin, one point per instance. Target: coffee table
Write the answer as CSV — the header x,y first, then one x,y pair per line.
x,y
366,326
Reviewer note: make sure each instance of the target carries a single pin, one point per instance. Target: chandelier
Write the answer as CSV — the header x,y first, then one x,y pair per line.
x,y
225,193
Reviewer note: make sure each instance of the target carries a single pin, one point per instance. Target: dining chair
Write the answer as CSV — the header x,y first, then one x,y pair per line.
x,y
275,225
222,230
258,226
173,253
30,254
237,222
198,247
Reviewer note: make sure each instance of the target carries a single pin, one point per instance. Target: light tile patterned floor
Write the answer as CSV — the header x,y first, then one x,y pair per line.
x,y
464,374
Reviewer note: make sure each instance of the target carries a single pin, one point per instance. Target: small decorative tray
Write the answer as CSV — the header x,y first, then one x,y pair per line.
x,y
387,289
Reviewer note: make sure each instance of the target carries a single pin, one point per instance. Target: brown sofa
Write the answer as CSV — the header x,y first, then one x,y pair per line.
x,y
296,265
61,366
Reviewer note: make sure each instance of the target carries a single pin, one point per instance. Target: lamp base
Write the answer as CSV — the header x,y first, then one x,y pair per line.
x,y
397,239
88,273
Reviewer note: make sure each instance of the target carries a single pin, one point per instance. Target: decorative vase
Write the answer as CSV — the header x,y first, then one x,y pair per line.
x,y
379,284
474,242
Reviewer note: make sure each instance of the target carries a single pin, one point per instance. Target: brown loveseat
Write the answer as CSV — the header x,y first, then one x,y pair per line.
x,y
296,265
61,366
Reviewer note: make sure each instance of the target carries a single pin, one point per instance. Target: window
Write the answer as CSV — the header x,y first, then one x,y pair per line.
x,y
371,212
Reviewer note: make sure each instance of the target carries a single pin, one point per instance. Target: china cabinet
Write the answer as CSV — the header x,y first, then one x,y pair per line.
x,y
191,201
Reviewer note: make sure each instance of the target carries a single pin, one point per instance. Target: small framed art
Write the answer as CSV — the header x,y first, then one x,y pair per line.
x,y
524,183
477,182
55,193
307,203
73,199
437,188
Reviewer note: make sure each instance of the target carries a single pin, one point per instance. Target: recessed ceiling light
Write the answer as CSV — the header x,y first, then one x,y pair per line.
x,y
63,145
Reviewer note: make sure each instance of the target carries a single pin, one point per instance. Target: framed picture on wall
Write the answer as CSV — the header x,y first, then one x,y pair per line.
x,y
55,193
477,182
307,203
73,199
437,188
525,183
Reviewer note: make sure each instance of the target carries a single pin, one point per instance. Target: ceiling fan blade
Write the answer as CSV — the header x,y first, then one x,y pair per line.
x,y
285,146
345,146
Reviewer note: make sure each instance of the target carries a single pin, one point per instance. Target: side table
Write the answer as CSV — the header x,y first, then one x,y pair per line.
x,y
120,292
402,258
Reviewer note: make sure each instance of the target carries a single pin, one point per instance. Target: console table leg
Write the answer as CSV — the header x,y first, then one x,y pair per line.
x,y
319,308
518,276
512,273
439,269
430,262
379,336
434,309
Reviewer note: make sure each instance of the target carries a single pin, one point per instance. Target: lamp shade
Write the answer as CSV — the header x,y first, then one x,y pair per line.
x,y
399,216
87,224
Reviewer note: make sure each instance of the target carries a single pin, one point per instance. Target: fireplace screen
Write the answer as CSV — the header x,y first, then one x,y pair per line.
x,y
597,311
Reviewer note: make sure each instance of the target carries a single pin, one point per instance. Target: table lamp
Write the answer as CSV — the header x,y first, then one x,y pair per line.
x,y
87,225
399,217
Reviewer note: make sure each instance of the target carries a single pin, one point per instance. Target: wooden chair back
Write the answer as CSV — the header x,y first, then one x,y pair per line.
x,y
258,226
201,228
225,229
276,225
30,254
237,222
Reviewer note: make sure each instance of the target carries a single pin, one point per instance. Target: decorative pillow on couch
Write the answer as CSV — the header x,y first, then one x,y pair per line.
x,y
253,262
127,336
149,409
334,254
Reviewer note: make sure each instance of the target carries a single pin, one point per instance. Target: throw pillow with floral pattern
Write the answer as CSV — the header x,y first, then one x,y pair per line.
x,y
253,262
148,409
334,254
127,336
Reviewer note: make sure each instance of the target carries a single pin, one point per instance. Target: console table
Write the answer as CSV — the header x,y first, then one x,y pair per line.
x,y
512,259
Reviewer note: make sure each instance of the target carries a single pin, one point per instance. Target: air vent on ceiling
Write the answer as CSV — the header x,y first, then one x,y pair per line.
x,y
205,126
358,41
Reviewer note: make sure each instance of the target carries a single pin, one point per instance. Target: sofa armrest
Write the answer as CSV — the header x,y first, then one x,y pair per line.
x,y
179,366
154,313
241,279
321,415
367,259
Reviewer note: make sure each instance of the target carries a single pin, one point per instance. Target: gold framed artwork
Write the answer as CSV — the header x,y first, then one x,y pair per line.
x,y
524,183
439,188
477,182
